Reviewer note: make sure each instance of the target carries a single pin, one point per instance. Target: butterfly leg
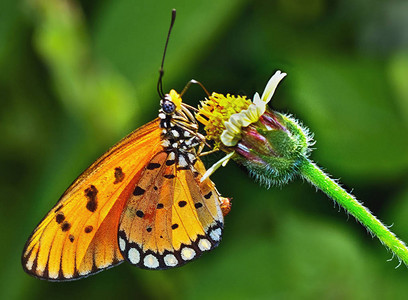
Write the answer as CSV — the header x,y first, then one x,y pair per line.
x,y
208,152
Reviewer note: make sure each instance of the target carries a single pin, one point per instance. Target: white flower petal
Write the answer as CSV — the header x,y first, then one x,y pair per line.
x,y
260,110
257,100
235,120
232,128
222,162
232,133
229,139
245,120
271,86
253,113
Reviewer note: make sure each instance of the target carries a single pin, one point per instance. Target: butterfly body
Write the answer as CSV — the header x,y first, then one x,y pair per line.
x,y
142,201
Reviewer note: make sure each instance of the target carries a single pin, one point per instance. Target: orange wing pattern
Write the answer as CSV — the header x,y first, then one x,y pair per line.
x,y
78,236
171,217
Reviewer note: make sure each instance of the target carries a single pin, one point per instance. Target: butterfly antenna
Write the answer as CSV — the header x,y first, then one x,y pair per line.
x,y
161,70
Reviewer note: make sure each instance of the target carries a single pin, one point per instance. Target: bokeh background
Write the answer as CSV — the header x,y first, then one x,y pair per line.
x,y
76,76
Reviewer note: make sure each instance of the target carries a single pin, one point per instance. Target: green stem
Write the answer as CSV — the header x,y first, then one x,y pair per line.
x,y
312,173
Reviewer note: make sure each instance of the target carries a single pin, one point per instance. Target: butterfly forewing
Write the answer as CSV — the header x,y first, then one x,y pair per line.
x,y
168,221
79,235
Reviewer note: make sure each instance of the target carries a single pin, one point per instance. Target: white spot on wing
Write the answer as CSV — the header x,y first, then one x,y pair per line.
x,y
191,156
53,275
29,263
182,161
175,133
122,244
171,156
204,245
82,273
151,261
41,268
216,234
170,260
187,253
102,266
134,256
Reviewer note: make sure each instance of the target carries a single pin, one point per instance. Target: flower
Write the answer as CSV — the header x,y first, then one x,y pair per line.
x,y
215,113
269,144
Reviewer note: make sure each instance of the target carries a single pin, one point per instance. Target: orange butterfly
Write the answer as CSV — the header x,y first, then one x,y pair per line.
x,y
142,201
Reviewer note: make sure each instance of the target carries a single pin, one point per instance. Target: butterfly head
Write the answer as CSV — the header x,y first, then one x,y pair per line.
x,y
171,103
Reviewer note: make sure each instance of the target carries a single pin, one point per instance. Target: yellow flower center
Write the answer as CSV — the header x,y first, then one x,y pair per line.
x,y
216,110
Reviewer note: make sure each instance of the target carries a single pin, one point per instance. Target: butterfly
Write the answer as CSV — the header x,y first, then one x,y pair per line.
x,y
143,201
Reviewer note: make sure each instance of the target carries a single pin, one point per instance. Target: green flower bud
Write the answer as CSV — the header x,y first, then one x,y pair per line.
x,y
272,148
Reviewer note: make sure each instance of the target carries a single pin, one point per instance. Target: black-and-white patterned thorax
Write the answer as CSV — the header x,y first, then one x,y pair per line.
x,y
179,134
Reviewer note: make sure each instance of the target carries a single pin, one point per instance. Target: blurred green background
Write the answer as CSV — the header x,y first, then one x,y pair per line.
x,y
76,76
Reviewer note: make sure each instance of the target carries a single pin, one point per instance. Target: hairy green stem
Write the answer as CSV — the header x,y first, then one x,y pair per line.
x,y
312,173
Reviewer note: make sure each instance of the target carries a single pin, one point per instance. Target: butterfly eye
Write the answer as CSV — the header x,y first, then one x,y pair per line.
x,y
168,106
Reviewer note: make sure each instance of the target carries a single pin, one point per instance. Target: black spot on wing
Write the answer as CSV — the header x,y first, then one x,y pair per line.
x,y
88,229
138,191
92,206
59,218
170,162
65,226
90,194
208,196
119,175
152,166
183,168
182,203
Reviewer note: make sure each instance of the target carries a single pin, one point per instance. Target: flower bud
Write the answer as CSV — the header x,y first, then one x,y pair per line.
x,y
271,149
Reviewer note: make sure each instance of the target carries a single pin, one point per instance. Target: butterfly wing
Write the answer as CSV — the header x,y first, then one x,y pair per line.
x,y
171,217
78,236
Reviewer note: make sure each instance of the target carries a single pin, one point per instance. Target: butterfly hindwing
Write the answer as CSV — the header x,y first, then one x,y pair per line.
x,y
78,236
172,217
